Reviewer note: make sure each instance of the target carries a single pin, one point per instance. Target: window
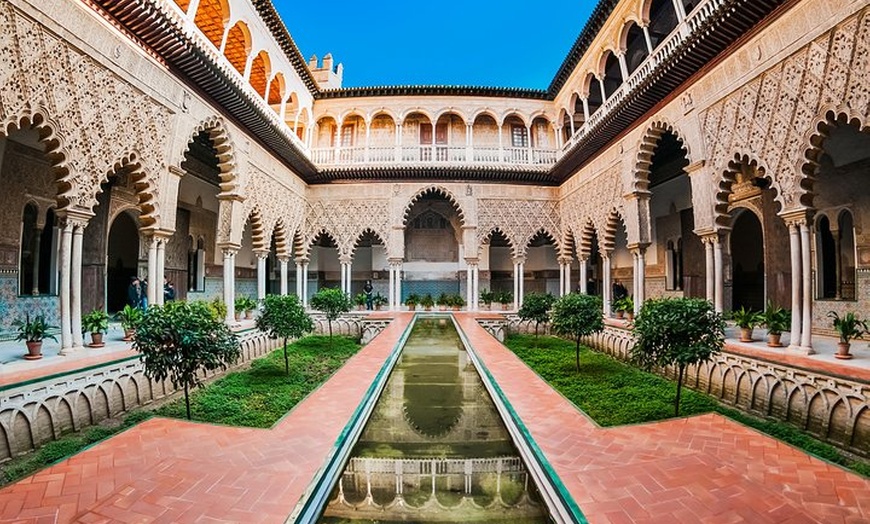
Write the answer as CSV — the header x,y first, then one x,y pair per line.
x,y
836,257
519,136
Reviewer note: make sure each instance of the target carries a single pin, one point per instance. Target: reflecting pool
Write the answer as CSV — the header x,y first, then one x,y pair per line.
x,y
435,449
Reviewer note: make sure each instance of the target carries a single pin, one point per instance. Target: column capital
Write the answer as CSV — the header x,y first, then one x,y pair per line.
x,y
345,259
565,260
301,260
472,261
638,248
396,261
796,217
261,253
519,260
283,259
694,167
229,251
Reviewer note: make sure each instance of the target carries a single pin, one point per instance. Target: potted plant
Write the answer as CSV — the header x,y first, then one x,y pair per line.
x,y
746,320
250,306
848,326
457,302
360,300
129,317
427,302
412,301
379,301
33,332
776,320
96,323
624,307
443,301
486,299
239,307
505,298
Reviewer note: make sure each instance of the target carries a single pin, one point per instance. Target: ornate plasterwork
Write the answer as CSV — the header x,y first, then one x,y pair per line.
x,y
594,200
273,209
773,116
98,121
346,220
518,220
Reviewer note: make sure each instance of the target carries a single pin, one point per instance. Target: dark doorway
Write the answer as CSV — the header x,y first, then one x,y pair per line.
x,y
747,258
123,260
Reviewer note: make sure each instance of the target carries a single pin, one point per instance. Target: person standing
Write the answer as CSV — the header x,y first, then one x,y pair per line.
x,y
134,292
168,290
368,290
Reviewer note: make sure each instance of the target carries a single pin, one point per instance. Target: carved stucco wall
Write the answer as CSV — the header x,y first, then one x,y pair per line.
x,y
98,119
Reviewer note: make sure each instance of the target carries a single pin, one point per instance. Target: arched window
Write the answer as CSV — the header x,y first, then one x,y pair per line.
x,y
37,263
835,245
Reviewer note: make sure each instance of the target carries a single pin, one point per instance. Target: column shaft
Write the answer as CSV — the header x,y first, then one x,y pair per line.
x,y
795,249
710,270
640,293
37,238
152,271
584,275
161,270
606,292
806,262
261,277
76,286
64,292
283,270
719,272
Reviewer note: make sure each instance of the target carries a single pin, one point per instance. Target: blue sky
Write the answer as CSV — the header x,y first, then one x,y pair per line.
x,y
454,42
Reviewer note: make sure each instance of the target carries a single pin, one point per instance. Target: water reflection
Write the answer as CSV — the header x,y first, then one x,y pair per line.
x,y
434,449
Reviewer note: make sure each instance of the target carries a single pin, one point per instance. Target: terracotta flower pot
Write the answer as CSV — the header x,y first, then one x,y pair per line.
x,y
746,334
249,314
620,314
843,350
34,350
96,340
773,340
505,307
129,334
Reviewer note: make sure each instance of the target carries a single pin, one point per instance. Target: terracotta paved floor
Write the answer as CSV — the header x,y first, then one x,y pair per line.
x,y
173,471
701,469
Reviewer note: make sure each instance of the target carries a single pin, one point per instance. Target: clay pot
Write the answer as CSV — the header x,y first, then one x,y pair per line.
x,y
129,334
96,340
249,314
746,334
773,340
843,351
620,314
34,350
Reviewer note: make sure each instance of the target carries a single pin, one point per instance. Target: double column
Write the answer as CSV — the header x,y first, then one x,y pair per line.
x,y
346,275
564,276
229,252
302,280
607,291
472,274
261,255
801,337
638,253
715,270
395,292
72,234
519,286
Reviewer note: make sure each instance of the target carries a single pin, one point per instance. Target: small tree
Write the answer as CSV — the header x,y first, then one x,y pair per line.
x,y
332,302
284,317
677,331
536,308
180,339
577,316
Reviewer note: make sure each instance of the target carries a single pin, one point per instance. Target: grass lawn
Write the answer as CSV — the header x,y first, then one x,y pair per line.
x,y
614,393
257,397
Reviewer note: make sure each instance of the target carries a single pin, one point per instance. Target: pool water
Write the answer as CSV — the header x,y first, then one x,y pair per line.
x,y
435,449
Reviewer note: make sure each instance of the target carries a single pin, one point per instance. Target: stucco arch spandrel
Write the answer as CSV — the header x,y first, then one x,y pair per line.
x,y
518,220
439,190
88,119
346,219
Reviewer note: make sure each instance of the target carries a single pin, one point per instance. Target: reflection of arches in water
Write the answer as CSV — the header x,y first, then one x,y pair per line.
x,y
747,255
123,259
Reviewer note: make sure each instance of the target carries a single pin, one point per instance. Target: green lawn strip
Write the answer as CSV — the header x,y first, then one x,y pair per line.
x,y
614,393
256,397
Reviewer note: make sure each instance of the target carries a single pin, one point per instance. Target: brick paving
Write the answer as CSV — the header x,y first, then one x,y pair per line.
x,y
704,469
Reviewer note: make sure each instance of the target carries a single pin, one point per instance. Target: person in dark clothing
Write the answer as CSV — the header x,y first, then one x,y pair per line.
x,y
134,292
168,290
369,290
619,291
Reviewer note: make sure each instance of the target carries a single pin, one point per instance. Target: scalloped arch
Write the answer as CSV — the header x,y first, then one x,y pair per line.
x,y
646,149
217,132
433,190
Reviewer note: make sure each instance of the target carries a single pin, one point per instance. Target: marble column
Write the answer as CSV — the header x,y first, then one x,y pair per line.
x,y
561,279
719,275
161,270
469,285
639,277
392,286
710,269
795,251
522,284
230,282
299,287
37,240
261,273
152,271
398,284
807,309
517,278
305,284
606,293
76,284
584,275
66,341
282,269
475,294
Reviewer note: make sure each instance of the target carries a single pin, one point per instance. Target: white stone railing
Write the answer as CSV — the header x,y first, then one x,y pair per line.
x,y
433,155
690,25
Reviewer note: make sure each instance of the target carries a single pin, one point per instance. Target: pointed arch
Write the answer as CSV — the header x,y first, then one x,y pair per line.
x,y
540,232
827,119
434,191
487,237
740,164
646,149
146,192
217,132
54,146
368,231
